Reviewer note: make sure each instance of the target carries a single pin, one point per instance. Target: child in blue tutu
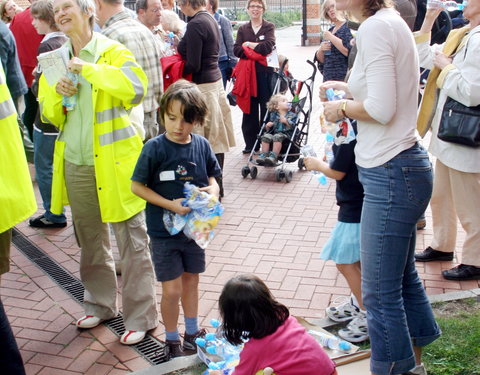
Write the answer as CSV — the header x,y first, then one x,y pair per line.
x,y
343,247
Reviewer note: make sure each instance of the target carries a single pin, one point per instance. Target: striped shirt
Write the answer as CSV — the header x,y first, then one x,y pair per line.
x,y
140,41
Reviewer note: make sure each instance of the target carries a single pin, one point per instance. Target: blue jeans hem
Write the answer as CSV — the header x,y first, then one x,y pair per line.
x,y
425,340
391,368
55,218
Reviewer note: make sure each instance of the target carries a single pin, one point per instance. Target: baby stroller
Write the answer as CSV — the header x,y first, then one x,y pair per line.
x,y
302,105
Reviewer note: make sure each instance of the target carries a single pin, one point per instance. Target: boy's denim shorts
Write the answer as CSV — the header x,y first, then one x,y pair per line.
x,y
172,256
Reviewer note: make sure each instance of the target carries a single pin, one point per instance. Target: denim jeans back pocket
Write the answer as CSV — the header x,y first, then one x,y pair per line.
x,y
419,183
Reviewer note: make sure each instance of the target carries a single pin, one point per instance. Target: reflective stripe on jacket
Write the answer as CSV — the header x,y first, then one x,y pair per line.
x,y
17,200
118,83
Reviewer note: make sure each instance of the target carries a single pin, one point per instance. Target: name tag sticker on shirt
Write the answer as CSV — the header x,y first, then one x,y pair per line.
x,y
167,176
261,37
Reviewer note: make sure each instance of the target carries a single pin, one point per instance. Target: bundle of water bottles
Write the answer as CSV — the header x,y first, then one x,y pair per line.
x,y
200,222
216,345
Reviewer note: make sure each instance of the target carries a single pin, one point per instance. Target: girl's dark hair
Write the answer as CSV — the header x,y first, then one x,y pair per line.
x,y
249,310
194,108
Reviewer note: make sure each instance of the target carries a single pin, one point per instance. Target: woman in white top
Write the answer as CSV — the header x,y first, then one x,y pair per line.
x,y
456,187
396,175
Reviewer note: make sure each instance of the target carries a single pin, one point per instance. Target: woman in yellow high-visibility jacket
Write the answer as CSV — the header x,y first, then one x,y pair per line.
x,y
17,202
95,155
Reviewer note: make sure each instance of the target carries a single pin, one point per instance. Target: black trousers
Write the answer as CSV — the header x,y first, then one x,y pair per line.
x,y
10,359
252,121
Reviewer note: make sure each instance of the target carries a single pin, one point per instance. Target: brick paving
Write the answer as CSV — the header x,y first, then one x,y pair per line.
x,y
273,229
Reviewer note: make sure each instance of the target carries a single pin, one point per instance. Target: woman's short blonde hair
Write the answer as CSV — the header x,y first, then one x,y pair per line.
x,y
171,22
324,11
264,4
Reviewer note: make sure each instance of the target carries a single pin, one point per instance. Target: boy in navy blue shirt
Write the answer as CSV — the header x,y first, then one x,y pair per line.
x,y
165,164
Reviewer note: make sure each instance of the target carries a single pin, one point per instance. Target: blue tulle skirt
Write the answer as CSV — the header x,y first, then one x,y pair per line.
x,y
343,246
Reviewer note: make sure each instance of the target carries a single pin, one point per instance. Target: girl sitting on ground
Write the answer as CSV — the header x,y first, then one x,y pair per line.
x,y
275,339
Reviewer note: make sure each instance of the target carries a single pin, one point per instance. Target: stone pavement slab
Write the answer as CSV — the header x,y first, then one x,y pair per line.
x,y
273,229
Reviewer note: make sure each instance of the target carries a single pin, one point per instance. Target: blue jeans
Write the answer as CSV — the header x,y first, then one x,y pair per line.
x,y
43,145
398,311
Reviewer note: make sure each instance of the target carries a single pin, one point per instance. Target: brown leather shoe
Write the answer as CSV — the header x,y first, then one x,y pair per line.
x,y
462,272
429,255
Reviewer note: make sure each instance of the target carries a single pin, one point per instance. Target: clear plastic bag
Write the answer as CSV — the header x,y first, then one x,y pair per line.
x,y
200,222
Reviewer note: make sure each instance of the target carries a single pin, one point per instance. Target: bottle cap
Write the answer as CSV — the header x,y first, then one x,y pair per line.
x,y
210,336
345,346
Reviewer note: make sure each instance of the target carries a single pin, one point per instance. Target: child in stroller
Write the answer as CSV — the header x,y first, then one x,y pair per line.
x,y
280,127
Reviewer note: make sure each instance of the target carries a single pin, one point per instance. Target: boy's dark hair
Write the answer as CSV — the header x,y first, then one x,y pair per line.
x,y
249,310
194,108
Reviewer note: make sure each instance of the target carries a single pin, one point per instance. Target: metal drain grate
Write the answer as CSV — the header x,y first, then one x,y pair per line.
x,y
149,348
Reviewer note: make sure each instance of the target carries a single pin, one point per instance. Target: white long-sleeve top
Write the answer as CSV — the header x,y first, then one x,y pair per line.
x,y
385,77
460,81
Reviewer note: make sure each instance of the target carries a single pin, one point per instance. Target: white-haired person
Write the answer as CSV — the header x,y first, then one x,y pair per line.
x,y
95,155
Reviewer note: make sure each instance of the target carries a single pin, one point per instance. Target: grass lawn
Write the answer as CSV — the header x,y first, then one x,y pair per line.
x,y
457,351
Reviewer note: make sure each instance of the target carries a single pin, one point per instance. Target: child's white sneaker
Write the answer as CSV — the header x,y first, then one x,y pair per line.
x,y
356,330
342,310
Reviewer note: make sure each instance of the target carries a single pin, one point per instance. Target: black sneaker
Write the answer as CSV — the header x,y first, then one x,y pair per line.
x,y
43,222
462,272
429,255
189,340
173,349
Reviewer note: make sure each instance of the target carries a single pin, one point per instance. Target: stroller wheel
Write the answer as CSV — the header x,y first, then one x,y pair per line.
x,y
288,176
279,175
253,173
245,171
301,164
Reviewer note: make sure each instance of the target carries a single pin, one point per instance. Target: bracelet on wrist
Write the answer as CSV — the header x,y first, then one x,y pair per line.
x,y
343,108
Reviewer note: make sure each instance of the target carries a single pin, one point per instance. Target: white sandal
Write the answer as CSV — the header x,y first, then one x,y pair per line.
x,y
344,310
356,330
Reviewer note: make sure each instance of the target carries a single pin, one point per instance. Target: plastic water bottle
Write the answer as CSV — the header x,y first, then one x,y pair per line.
x,y
329,147
448,5
306,151
69,102
331,342
334,94
170,43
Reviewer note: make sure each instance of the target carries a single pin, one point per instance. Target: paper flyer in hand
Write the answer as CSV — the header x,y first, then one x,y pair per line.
x,y
53,64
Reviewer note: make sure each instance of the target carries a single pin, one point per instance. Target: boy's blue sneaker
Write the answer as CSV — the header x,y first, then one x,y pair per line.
x,y
261,158
271,160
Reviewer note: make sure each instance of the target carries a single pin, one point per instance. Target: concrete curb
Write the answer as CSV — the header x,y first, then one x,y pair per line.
x,y
185,362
